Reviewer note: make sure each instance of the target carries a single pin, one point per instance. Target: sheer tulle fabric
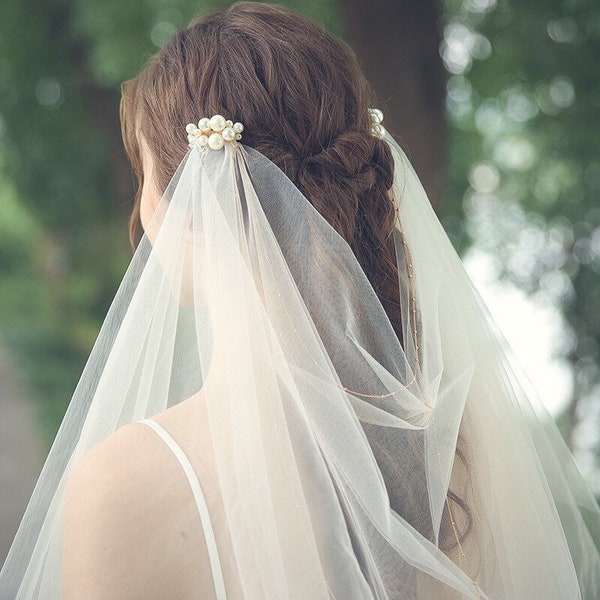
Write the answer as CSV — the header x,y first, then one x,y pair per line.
x,y
337,460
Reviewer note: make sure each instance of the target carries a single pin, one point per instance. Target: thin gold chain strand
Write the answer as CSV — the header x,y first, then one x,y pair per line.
x,y
461,549
413,305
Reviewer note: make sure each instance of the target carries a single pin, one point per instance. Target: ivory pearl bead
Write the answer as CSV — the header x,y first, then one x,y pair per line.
x,y
377,115
238,127
204,124
190,128
215,141
203,140
378,130
217,123
228,134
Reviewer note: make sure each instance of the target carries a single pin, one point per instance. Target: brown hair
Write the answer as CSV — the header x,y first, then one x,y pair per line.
x,y
304,103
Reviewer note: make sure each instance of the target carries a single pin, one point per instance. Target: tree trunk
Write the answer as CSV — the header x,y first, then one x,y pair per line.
x,y
397,43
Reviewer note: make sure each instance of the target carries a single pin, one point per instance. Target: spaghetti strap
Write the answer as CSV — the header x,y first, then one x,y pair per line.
x,y
211,543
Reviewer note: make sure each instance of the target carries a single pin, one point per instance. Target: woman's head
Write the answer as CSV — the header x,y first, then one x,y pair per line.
x,y
304,103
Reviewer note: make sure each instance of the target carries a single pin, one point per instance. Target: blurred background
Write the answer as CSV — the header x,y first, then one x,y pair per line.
x,y
496,102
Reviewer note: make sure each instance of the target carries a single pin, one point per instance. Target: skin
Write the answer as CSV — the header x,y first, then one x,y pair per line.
x,y
128,504
150,193
122,503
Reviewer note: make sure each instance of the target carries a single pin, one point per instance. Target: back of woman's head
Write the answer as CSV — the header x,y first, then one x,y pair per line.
x,y
304,104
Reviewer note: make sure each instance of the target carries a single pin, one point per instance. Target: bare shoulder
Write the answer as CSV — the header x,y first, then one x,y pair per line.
x,y
130,526
108,488
120,464
114,511
134,457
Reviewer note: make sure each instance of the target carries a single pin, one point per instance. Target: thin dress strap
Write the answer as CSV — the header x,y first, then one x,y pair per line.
x,y
211,543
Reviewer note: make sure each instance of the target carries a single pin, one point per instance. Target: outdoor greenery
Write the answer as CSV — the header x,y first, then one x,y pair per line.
x,y
523,167
524,106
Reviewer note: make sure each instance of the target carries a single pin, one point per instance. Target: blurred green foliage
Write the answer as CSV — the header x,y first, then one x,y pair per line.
x,y
524,105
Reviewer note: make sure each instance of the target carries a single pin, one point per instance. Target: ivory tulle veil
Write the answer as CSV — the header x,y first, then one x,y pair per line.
x,y
339,460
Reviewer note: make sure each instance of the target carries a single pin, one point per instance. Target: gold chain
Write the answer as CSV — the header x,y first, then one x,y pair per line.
x,y
413,310
461,549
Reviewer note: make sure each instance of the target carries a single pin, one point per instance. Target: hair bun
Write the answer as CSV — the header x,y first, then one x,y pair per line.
x,y
354,159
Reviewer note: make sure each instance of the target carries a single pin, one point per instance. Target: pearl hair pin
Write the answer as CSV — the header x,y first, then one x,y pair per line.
x,y
377,128
213,132
217,130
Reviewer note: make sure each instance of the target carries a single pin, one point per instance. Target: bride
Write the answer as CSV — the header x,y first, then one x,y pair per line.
x,y
297,393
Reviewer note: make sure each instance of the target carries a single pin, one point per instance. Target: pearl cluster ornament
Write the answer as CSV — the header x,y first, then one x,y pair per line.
x,y
377,128
213,132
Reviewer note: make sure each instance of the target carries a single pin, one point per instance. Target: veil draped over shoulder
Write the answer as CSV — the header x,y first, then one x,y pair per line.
x,y
335,459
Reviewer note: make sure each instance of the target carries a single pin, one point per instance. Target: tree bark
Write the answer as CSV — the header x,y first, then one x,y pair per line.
x,y
397,43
